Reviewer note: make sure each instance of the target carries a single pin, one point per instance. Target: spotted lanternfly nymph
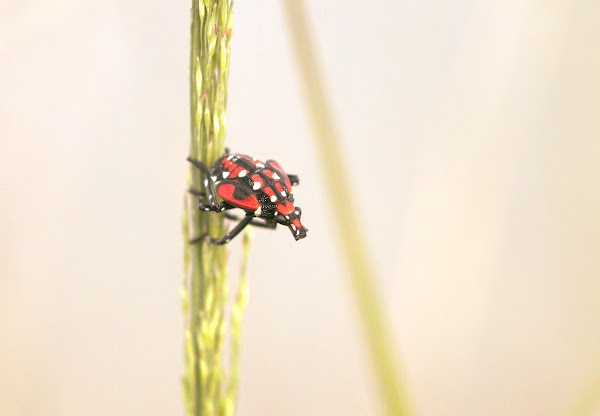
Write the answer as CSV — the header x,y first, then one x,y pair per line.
x,y
262,189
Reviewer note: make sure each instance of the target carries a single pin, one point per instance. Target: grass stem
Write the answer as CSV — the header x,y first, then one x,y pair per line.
x,y
207,386
588,398
359,265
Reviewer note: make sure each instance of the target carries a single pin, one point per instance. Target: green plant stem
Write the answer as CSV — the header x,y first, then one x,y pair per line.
x,y
237,313
588,396
204,293
360,269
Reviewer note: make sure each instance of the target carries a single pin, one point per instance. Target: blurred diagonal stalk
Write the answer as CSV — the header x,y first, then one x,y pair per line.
x,y
588,399
208,388
360,270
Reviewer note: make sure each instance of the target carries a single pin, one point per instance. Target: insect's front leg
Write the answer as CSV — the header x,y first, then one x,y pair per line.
x,y
228,237
257,222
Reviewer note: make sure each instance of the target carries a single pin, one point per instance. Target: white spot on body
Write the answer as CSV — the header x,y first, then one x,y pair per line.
x,y
205,182
260,165
293,226
283,193
275,175
297,212
242,173
225,174
258,212
214,178
256,186
229,157
273,198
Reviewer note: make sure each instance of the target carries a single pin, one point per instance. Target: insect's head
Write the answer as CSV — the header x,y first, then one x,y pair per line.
x,y
291,217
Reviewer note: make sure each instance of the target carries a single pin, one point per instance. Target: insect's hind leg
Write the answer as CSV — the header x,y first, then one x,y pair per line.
x,y
228,237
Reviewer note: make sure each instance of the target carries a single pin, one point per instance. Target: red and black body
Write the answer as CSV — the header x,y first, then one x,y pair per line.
x,y
262,189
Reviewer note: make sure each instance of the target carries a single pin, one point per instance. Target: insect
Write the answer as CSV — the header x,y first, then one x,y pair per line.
x,y
262,189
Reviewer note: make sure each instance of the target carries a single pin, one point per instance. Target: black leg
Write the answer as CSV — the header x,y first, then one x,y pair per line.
x,y
220,241
294,180
223,206
196,192
209,185
257,222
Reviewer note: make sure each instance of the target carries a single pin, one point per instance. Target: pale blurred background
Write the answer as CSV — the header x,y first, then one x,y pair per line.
x,y
473,137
